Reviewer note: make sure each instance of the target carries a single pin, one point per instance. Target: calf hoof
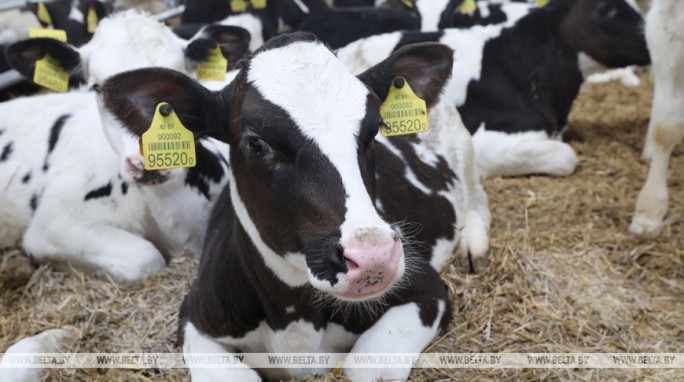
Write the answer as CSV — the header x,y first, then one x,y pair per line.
x,y
474,249
644,225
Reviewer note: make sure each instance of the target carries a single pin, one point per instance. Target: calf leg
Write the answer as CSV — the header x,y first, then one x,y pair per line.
x,y
407,327
501,154
652,204
196,342
49,341
120,254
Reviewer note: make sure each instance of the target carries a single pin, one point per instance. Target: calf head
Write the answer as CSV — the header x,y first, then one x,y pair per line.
x,y
609,31
301,129
126,41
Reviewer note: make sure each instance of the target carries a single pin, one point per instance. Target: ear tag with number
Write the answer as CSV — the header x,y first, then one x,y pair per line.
x,y
43,14
259,4
214,67
91,20
467,7
238,6
49,73
57,34
403,112
542,3
167,143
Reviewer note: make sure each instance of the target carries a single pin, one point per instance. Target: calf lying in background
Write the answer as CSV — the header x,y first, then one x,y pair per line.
x,y
306,251
514,87
665,36
76,191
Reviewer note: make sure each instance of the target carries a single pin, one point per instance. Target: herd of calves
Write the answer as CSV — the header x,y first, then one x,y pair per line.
x,y
310,165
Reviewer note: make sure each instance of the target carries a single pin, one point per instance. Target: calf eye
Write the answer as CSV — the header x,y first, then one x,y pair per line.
x,y
257,147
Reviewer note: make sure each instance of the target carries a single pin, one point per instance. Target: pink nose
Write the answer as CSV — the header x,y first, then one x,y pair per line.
x,y
372,266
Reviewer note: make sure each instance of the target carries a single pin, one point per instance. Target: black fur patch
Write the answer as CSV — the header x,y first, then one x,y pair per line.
x,y
55,130
124,188
35,198
208,169
6,152
26,177
101,192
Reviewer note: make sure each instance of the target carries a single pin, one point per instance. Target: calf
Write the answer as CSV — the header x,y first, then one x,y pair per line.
x,y
306,251
514,86
57,194
338,27
72,20
665,36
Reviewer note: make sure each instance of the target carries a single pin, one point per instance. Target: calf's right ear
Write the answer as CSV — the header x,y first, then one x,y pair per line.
x,y
23,55
132,97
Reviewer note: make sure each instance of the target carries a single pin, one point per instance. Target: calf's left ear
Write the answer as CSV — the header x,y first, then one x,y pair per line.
x,y
132,97
426,67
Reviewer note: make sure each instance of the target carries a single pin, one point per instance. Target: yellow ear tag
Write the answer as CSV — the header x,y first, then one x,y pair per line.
x,y
237,6
542,3
56,34
43,14
467,7
49,73
167,143
403,112
214,68
408,3
259,4
92,20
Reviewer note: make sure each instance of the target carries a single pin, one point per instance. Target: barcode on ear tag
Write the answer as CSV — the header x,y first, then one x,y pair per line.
x,y
403,112
214,67
50,74
167,143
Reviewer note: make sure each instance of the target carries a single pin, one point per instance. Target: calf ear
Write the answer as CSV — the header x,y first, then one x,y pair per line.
x,y
23,55
57,9
233,41
426,67
132,97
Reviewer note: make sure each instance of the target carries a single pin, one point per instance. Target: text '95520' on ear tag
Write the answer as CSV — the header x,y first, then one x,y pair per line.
x,y
214,67
167,143
403,112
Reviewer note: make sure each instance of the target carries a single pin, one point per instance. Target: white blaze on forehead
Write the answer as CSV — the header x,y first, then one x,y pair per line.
x,y
131,40
327,103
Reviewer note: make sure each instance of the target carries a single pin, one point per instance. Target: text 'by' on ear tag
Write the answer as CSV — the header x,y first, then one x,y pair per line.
x,y
167,143
49,73
214,67
467,7
91,20
43,14
237,6
403,112
259,4
56,34
542,3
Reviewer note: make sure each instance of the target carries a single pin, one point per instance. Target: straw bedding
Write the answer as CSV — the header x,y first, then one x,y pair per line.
x,y
565,274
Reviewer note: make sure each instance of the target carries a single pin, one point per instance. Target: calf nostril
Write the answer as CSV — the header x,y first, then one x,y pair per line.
x,y
351,264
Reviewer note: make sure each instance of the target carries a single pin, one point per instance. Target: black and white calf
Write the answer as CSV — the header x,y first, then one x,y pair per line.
x,y
305,250
665,35
75,190
514,87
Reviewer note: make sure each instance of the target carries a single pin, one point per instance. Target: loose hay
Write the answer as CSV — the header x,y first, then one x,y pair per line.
x,y
565,274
